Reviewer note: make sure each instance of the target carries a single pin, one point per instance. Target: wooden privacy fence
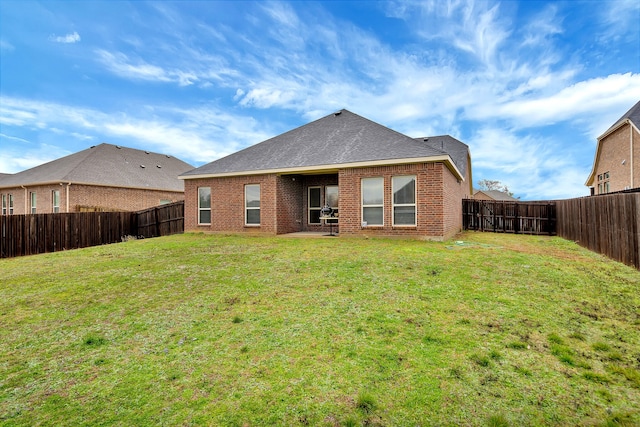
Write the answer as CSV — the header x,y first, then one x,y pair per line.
x,y
509,217
39,233
608,224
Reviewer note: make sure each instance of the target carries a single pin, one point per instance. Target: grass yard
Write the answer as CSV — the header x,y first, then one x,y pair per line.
x,y
194,329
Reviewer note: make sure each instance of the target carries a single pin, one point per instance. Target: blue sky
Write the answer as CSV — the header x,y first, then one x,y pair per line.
x,y
528,85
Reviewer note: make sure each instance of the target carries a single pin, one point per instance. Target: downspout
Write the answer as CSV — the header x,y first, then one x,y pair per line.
x,y
632,127
67,196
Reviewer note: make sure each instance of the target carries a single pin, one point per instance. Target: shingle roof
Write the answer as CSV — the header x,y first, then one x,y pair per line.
x,y
341,138
497,195
107,165
458,150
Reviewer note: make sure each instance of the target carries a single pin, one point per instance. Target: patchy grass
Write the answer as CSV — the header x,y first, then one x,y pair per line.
x,y
230,330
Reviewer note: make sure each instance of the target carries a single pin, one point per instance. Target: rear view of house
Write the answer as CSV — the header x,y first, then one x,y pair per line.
x,y
616,165
104,177
341,172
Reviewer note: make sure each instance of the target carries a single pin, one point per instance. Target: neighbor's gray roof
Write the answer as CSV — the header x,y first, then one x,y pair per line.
x,y
633,114
341,138
107,165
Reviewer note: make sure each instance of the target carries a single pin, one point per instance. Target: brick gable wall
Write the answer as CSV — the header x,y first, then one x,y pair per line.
x,y
614,149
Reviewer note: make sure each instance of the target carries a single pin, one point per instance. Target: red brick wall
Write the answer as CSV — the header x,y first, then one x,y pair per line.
x,y
430,201
227,204
284,202
103,198
615,148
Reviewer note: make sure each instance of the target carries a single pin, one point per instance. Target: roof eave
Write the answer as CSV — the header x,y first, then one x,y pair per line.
x,y
334,168
91,184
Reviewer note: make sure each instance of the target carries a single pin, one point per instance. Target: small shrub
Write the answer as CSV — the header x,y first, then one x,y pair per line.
x,y
365,403
497,421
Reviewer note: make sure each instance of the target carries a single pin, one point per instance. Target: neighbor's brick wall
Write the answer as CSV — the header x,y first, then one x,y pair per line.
x,y
430,201
615,148
104,198
227,204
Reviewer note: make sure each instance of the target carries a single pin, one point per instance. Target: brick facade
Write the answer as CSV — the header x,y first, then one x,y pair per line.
x,y
87,197
284,202
618,153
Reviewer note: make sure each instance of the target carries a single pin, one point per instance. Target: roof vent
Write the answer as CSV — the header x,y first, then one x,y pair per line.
x,y
93,146
426,140
159,167
142,166
337,113
168,156
146,152
118,147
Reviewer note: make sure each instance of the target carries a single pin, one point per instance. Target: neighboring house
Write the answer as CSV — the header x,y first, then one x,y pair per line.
x,y
616,165
375,180
101,178
493,195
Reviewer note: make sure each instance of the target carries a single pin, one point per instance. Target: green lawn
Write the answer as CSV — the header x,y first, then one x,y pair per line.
x,y
247,331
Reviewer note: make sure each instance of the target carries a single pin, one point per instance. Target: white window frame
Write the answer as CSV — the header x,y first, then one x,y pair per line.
x,y
10,204
248,208
394,205
55,201
33,200
363,205
204,209
314,208
4,204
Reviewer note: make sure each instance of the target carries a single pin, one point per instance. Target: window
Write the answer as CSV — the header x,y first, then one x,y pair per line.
x,y
331,199
315,204
404,200
204,205
373,201
252,204
55,201
4,204
10,204
33,202
603,183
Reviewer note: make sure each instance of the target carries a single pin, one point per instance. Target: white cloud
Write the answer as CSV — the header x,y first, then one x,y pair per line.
x,y
5,46
69,38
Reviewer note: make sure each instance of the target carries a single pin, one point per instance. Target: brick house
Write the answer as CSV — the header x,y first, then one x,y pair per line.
x,y
376,182
616,165
101,178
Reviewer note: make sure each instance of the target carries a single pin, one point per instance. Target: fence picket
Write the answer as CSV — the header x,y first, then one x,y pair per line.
x,y
39,233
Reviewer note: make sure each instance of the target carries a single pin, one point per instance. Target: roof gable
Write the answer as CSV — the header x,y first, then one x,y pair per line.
x,y
107,165
632,115
341,138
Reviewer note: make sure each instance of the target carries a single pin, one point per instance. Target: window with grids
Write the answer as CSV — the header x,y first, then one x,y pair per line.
x,y
4,204
404,200
252,204
373,200
10,204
